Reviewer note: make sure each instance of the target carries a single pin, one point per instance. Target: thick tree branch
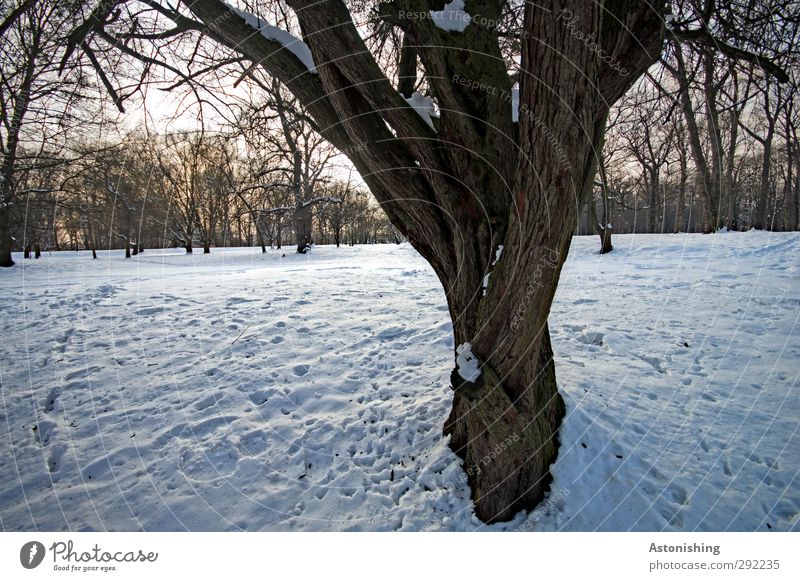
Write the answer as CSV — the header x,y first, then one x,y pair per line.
x,y
96,20
103,78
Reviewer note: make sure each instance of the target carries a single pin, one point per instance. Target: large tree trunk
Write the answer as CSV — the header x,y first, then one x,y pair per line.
x,y
483,181
508,440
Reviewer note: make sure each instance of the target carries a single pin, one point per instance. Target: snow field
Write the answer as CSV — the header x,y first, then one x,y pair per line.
x,y
241,391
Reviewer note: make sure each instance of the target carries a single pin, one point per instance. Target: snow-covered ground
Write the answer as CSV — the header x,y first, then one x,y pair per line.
x,y
260,392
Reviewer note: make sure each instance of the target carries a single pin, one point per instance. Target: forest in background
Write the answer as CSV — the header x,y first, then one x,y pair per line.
x,y
701,141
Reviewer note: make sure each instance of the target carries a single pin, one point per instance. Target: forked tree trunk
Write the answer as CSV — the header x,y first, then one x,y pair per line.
x,y
483,181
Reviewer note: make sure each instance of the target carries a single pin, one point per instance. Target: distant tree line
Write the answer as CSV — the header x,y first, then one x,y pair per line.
x,y
703,142
186,190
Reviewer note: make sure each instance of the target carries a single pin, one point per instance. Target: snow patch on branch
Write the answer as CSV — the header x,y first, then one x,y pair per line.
x,y
467,364
318,199
497,254
286,39
424,107
452,18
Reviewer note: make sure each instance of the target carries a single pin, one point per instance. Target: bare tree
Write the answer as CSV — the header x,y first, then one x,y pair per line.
x,y
38,96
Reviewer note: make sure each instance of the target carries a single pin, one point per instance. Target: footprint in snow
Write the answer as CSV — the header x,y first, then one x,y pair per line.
x,y
300,370
149,311
584,301
217,460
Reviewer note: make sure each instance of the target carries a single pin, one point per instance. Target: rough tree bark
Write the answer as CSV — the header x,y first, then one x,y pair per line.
x,y
494,183
481,197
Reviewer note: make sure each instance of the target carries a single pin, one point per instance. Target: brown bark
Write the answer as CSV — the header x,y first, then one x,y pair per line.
x,y
302,227
407,69
495,183
705,175
761,221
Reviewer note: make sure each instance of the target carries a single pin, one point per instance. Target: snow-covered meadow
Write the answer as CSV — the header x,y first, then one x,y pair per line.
x,y
241,391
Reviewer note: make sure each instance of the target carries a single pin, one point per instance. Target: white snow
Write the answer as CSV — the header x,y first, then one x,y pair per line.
x,y
423,106
452,18
498,253
286,39
467,364
241,391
